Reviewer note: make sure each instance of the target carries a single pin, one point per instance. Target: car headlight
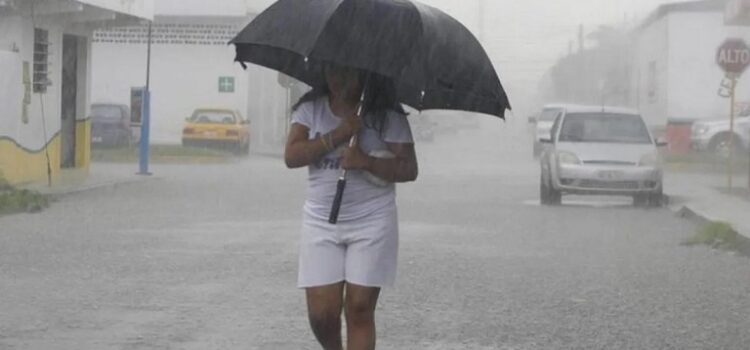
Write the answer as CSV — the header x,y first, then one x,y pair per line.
x,y
568,158
650,159
543,134
701,129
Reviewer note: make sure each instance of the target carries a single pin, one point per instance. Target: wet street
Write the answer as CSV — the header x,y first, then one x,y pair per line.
x,y
204,257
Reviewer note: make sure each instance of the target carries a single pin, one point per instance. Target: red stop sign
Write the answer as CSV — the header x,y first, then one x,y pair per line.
x,y
733,56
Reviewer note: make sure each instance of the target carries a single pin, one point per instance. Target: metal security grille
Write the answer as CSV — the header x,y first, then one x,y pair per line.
x,y
171,34
41,60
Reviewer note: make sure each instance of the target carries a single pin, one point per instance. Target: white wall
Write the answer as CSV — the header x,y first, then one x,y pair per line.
x,y
11,89
650,95
19,32
183,78
267,108
694,75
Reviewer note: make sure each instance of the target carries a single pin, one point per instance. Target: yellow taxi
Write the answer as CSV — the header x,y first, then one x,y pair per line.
x,y
217,128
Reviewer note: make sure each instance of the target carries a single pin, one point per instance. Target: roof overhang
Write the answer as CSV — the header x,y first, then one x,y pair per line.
x,y
141,9
82,13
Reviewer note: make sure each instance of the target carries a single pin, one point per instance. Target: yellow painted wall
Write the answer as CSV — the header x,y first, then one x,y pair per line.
x,y
21,166
83,144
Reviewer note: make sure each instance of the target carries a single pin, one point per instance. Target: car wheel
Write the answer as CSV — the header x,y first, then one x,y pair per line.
x,y
124,141
555,196
240,148
720,148
641,200
656,199
537,149
245,148
547,193
543,191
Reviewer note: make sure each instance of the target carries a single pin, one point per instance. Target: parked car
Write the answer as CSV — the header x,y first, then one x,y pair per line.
x,y
714,135
544,123
217,128
601,151
110,125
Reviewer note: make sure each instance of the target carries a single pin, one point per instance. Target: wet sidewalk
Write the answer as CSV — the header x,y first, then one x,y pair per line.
x,y
99,176
705,196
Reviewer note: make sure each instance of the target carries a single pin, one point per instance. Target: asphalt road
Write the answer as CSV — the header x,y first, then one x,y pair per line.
x,y
204,257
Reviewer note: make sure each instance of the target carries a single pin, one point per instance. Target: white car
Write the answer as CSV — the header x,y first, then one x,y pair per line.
x,y
714,135
601,151
545,121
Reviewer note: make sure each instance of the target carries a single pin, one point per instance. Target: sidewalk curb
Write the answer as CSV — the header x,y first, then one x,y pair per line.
x,y
685,211
61,194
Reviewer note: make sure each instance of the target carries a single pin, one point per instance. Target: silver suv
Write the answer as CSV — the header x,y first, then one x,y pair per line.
x,y
714,135
601,151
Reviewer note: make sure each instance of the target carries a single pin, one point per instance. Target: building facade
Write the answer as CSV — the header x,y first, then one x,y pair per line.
x,y
45,81
675,75
192,66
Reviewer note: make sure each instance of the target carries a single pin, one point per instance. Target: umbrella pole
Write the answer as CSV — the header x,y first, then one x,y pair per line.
x,y
336,207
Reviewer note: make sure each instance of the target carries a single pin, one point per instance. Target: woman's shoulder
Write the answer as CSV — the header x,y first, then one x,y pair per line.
x,y
313,106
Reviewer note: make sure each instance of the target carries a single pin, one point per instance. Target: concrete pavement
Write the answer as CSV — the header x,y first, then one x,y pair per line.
x,y
99,176
705,196
205,258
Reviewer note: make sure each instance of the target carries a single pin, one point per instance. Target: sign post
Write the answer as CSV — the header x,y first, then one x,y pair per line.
x,y
733,56
730,162
145,146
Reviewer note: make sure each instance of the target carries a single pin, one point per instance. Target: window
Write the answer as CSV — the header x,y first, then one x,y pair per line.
x,y
550,114
213,117
41,60
604,128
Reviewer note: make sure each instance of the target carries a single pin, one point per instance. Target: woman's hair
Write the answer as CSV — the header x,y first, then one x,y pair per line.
x,y
380,98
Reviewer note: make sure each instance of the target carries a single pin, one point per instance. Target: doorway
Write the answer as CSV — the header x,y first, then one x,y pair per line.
x,y
69,101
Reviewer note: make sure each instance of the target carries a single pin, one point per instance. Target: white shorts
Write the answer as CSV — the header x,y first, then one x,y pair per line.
x,y
362,252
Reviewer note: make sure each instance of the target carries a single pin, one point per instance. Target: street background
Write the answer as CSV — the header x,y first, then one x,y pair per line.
x,y
204,257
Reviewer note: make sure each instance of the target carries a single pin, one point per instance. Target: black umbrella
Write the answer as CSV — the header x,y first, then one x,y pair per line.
x,y
434,60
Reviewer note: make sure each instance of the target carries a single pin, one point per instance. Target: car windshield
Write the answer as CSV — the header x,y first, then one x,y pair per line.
x,y
549,114
104,112
213,117
604,128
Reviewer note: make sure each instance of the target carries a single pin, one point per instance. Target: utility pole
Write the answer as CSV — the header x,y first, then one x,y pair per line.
x,y
143,158
580,38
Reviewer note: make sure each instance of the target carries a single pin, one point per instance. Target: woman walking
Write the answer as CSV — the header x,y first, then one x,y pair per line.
x,y
343,267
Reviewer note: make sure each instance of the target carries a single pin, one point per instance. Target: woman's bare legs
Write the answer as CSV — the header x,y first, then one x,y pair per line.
x,y
324,306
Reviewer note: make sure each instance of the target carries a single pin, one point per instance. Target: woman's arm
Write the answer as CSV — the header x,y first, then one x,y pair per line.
x,y
402,168
301,151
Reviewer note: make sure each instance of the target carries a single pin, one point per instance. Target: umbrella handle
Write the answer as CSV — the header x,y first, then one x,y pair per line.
x,y
333,219
336,207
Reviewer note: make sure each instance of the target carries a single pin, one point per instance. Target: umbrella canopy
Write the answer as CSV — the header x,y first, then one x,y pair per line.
x,y
435,62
